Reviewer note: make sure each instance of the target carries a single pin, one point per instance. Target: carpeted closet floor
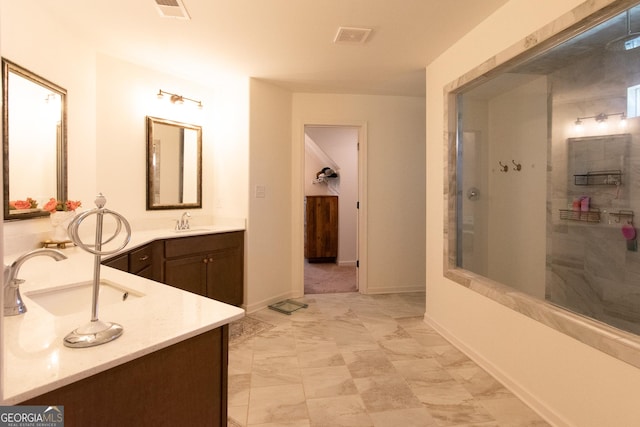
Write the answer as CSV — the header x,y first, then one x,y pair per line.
x,y
325,278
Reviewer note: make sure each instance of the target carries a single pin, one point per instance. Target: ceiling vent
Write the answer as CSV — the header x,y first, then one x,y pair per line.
x,y
352,35
172,9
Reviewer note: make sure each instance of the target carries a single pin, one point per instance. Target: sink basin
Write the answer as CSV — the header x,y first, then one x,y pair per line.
x,y
75,298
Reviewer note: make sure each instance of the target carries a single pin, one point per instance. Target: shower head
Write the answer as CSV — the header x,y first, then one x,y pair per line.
x,y
627,42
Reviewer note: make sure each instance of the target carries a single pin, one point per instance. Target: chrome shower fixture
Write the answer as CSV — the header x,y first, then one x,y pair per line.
x,y
629,41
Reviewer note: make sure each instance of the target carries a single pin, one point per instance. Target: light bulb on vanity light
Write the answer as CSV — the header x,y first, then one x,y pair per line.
x,y
578,127
623,121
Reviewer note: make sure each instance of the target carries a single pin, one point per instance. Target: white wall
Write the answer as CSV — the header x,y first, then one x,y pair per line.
x,y
30,39
573,384
268,248
108,100
395,179
121,139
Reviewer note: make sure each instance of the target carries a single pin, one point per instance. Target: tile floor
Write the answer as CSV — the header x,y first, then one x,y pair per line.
x,y
361,360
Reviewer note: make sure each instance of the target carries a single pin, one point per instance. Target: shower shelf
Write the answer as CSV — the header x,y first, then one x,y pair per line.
x,y
608,177
622,215
592,215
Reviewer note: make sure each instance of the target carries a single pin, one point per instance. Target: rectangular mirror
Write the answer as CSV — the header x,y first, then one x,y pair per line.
x,y
174,165
35,142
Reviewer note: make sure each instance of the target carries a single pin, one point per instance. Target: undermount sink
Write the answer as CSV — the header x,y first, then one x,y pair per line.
x,y
75,298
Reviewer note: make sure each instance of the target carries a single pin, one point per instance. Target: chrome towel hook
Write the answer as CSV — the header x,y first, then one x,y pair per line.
x,y
518,166
503,168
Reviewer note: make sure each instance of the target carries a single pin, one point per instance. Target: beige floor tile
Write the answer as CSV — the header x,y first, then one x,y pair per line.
x,y
404,349
384,328
422,375
512,412
237,415
294,423
342,411
328,382
275,370
412,417
451,404
311,332
278,341
238,389
368,363
386,392
319,354
450,357
361,360
277,404
479,383
240,359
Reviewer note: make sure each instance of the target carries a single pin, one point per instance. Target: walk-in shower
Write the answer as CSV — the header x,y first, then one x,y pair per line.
x,y
547,175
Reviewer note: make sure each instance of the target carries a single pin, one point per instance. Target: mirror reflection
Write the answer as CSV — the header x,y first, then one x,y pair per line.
x,y
174,164
34,132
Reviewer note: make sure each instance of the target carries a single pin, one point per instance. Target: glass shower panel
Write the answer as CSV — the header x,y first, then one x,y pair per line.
x,y
548,177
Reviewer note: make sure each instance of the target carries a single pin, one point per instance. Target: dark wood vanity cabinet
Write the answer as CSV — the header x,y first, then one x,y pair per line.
x,y
183,384
144,261
211,265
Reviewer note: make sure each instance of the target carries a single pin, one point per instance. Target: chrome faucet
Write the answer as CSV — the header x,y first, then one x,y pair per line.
x,y
183,222
13,304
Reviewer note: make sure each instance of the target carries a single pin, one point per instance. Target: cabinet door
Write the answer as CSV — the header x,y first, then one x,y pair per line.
x,y
321,231
225,275
188,273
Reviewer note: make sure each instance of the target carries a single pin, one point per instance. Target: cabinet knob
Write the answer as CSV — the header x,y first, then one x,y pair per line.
x,y
206,260
143,258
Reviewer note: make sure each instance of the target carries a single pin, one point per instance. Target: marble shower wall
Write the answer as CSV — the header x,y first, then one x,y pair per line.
x,y
590,269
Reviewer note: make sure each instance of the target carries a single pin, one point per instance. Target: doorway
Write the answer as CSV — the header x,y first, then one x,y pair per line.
x,y
331,195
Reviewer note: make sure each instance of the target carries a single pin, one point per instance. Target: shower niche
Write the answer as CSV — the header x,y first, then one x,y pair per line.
x,y
560,227
595,177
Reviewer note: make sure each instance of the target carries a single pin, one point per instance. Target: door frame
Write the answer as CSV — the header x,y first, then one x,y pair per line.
x,y
297,217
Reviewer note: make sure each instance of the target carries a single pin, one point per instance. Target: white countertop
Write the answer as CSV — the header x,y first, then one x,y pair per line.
x,y
35,359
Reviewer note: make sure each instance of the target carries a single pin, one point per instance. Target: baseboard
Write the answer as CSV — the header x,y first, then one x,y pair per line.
x,y
529,399
267,302
389,290
346,263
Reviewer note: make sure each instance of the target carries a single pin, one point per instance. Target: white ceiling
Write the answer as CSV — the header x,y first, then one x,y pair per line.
x,y
288,42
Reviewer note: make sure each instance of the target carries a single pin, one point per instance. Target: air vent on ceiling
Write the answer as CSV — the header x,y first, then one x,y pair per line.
x,y
172,9
352,35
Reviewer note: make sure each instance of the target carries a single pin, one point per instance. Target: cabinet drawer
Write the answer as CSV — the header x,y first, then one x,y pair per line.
x,y
140,258
199,244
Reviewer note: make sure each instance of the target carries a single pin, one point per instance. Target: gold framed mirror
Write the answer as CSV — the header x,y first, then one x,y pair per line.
x,y
174,164
34,123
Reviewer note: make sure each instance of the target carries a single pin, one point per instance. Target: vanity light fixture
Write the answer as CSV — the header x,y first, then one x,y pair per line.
x,y
177,99
601,120
50,97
